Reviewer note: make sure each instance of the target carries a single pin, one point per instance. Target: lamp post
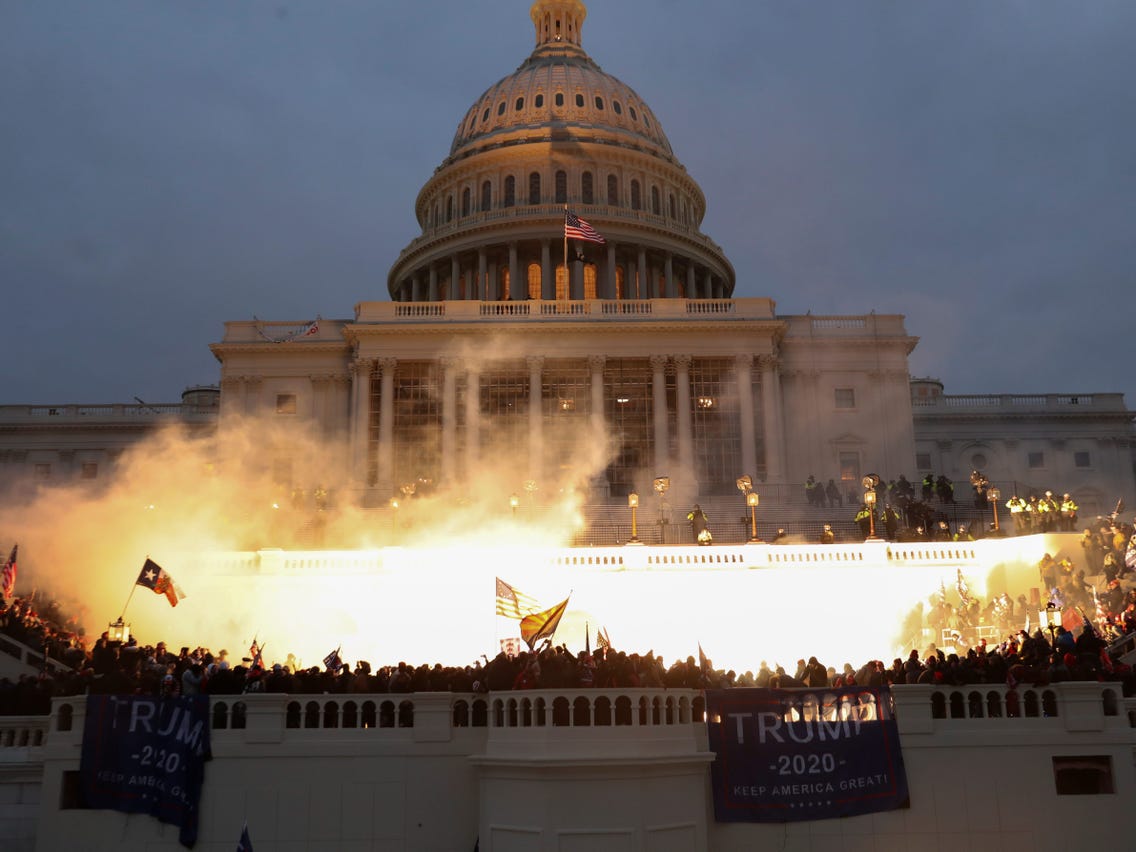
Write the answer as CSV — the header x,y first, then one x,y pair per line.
x,y
633,503
1052,615
118,631
661,485
870,482
994,495
514,501
752,501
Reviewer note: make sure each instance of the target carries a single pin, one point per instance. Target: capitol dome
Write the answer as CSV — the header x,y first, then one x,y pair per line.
x,y
560,134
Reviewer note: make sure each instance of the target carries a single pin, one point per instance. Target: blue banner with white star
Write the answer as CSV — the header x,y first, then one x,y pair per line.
x,y
144,754
784,755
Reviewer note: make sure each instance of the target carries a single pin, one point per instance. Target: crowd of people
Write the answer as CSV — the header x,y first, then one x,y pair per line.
x,y
1074,649
900,511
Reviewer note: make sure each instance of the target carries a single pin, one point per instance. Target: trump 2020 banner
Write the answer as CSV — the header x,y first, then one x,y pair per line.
x,y
783,755
144,754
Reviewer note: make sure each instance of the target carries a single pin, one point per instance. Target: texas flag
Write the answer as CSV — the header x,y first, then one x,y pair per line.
x,y
154,578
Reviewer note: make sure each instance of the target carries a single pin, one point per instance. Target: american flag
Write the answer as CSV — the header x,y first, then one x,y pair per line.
x,y
513,604
8,583
576,228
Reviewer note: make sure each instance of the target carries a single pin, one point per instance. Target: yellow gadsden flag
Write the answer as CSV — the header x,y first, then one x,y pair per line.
x,y
542,625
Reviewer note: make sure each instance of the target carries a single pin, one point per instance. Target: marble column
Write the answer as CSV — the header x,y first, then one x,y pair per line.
x,y
455,279
386,425
744,366
683,427
547,272
472,419
774,419
536,417
517,288
361,369
432,293
596,369
659,411
480,290
668,276
449,418
609,274
641,270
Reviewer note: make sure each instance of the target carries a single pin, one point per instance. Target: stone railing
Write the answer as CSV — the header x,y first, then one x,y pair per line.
x,y
1066,403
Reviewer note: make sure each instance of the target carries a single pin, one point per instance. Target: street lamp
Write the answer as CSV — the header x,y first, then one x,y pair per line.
x,y
514,501
752,501
870,482
118,631
994,495
661,485
1052,616
633,503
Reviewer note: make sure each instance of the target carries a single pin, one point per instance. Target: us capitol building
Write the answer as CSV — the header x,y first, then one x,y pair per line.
x,y
501,338
599,367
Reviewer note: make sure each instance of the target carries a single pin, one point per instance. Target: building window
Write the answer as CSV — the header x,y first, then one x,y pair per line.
x,y
562,187
485,115
285,403
89,470
520,104
636,200
587,191
671,202
538,101
634,117
486,195
510,191
501,108
560,99
612,190
599,102
618,109
923,461
845,398
1083,776
579,100
534,280
849,467
1082,459
534,188
655,200
1035,460
449,208
42,472
465,201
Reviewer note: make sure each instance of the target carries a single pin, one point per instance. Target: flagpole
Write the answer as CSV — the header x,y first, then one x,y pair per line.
x,y
567,274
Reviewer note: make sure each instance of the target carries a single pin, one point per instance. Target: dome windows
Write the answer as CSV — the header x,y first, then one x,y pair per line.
x,y
618,109
510,191
560,99
579,100
562,187
587,190
465,202
655,200
487,195
613,190
631,110
538,101
519,105
534,188
599,102
485,115
636,198
501,108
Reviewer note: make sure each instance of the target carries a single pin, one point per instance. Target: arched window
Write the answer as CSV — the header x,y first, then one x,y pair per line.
x,y
636,200
655,207
672,206
520,104
560,99
589,281
501,108
561,282
485,115
579,100
538,101
465,201
534,280
510,191
504,282
612,190
618,109
449,208
599,102
620,280
587,193
534,188
487,195
562,187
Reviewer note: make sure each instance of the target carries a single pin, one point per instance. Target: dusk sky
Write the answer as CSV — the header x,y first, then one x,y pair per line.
x,y
167,165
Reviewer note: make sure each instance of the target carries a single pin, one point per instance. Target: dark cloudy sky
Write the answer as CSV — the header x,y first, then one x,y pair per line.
x,y
166,165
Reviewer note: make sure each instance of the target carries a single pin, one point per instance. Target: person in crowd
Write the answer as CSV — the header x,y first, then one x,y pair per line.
x,y
698,525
